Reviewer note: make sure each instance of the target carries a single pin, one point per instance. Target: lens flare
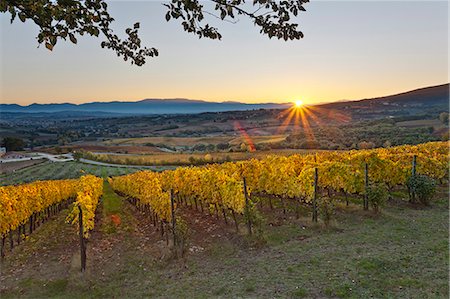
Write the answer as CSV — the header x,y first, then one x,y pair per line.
x,y
301,118
248,140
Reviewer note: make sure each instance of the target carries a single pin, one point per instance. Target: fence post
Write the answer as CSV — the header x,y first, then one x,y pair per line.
x,y
82,245
235,220
224,215
174,221
31,223
3,247
366,182
413,174
316,178
247,208
11,241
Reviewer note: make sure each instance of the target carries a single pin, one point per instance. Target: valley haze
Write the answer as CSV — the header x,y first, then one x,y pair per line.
x,y
433,94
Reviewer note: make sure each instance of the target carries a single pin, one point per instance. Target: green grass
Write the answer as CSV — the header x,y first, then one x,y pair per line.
x,y
61,170
401,253
112,206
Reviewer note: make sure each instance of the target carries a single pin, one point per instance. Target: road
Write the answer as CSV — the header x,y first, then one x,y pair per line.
x,y
37,156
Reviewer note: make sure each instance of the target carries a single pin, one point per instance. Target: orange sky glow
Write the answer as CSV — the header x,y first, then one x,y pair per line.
x,y
346,54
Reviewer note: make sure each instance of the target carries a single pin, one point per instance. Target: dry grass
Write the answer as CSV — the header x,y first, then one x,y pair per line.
x,y
13,166
259,139
187,159
191,141
170,141
435,123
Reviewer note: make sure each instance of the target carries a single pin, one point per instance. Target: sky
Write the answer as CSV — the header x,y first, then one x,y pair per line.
x,y
351,50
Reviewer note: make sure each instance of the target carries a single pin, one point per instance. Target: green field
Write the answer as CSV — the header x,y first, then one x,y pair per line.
x,y
61,170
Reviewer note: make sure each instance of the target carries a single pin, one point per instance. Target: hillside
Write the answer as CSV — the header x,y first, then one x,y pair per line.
x,y
405,118
147,106
416,99
433,95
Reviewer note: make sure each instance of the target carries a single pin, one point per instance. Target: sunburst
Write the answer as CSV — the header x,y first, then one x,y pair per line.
x,y
298,103
300,115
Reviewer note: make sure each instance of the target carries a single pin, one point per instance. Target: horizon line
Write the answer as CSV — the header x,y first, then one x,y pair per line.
x,y
225,101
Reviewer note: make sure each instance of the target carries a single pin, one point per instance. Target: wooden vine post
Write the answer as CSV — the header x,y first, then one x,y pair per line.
x,y
11,241
235,220
413,174
174,221
224,215
316,179
247,208
82,244
3,247
31,223
366,182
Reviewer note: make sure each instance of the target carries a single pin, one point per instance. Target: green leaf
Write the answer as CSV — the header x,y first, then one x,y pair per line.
x,y
49,46
22,17
72,38
53,40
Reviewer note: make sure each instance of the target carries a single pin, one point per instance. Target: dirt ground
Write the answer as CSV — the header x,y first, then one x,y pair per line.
x,y
13,166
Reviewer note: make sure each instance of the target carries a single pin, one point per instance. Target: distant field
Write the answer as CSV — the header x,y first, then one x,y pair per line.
x,y
132,149
169,141
60,170
14,166
259,139
191,141
435,123
188,159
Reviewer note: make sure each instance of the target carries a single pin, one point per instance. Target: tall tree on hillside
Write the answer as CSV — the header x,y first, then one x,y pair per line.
x,y
68,19
443,117
13,143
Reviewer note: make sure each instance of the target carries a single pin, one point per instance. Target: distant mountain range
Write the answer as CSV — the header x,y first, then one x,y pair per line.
x,y
147,106
435,95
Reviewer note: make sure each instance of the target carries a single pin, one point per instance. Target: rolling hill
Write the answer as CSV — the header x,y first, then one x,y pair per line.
x,y
415,100
147,106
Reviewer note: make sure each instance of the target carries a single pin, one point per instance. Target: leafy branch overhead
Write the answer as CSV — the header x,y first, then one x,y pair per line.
x,y
68,19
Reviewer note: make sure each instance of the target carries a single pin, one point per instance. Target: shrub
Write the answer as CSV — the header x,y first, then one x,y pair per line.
x,y
377,195
257,220
77,155
222,146
327,210
422,186
181,236
366,145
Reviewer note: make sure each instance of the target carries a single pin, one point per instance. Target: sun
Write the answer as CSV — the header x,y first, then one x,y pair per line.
x,y
298,103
